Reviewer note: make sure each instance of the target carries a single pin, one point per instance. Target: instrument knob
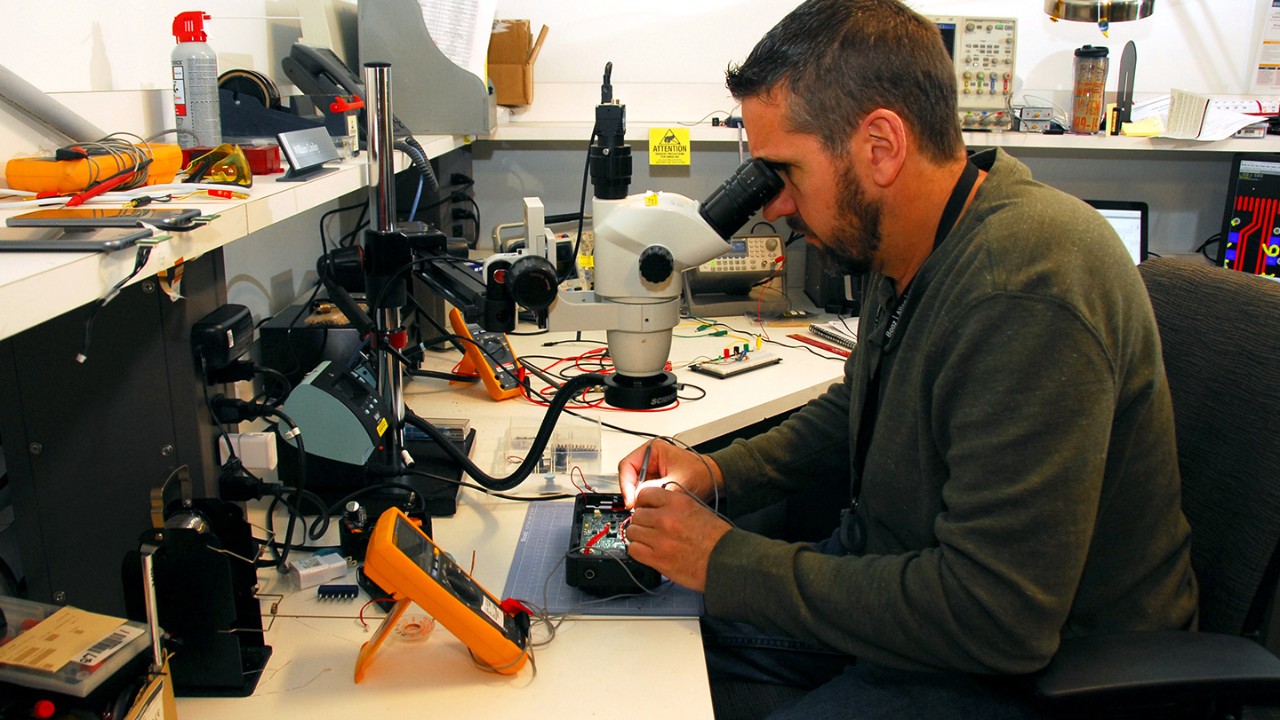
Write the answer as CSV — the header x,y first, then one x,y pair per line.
x,y
656,264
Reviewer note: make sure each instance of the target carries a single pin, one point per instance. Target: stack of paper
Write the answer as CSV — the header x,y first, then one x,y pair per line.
x,y
1195,116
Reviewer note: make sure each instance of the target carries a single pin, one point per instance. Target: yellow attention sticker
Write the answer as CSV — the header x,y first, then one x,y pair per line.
x,y
382,426
668,146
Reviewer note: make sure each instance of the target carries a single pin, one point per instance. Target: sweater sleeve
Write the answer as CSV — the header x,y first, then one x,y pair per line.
x,y
811,443
1019,411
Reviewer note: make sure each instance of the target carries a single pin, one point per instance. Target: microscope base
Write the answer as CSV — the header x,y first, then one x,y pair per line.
x,y
640,393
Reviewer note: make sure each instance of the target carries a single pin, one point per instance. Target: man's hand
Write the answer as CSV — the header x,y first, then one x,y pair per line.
x,y
667,463
674,534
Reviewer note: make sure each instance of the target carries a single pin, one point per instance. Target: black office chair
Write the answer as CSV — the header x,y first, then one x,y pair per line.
x,y
1218,329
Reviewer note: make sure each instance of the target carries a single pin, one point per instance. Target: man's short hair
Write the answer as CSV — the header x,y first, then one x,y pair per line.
x,y
841,59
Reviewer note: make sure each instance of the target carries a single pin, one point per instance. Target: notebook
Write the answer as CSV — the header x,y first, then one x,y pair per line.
x,y
1130,221
841,331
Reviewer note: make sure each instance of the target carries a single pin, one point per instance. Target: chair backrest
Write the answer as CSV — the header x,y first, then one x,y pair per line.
x,y
1220,335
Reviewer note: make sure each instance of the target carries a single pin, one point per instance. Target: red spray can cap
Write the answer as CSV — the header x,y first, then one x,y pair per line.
x,y
189,26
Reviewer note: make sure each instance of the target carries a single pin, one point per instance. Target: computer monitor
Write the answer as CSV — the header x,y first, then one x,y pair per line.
x,y
1129,218
1251,220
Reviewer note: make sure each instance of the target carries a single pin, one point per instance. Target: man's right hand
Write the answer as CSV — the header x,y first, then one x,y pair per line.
x,y
697,473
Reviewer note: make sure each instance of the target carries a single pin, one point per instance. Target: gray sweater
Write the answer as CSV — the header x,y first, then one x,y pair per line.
x,y
1022,483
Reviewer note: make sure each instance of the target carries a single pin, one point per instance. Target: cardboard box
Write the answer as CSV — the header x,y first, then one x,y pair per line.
x,y
512,51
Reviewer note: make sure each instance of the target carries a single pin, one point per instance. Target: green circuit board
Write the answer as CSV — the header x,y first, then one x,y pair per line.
x,y
595,522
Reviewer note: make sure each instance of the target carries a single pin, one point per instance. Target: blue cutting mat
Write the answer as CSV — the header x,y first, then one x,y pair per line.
x,y
537,574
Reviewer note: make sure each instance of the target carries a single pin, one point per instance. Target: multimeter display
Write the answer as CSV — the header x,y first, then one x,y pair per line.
x,y
488,355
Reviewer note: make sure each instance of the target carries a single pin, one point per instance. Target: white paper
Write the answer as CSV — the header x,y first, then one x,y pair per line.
x,y
1193,116
1155,107
1266,77
461,28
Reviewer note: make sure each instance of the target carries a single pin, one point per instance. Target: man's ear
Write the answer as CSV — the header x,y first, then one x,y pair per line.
x,y
882,142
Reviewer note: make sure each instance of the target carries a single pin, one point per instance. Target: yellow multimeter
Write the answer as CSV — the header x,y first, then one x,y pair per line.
x,y
402,560
488,355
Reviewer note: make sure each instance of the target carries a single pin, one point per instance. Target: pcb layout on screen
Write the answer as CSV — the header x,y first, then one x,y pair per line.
x,y
1251,223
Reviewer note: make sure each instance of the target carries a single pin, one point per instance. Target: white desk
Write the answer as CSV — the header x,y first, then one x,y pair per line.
x,y
729,405
35,287
649,665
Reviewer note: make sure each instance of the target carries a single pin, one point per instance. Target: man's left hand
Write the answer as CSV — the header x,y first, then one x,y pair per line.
x,y
673,533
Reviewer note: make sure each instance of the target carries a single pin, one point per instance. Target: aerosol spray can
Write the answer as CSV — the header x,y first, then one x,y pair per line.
x,y
195,83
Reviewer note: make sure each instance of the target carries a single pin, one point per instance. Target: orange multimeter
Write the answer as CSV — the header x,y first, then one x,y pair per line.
x,y
489,355
402,560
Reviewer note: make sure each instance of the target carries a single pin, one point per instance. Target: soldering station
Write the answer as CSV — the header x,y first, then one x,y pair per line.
x,y
320,456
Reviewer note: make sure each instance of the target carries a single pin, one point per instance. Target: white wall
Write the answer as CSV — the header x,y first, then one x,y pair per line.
x,y
669,61
667,54
109,62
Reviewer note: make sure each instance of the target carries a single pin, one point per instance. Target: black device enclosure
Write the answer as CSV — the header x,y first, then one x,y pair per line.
x,y
223,336
604,573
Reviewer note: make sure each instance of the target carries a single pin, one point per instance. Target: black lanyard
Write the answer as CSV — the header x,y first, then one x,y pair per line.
x,y
853,535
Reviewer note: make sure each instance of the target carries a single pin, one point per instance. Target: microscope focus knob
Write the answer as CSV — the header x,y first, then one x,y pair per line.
x,y
656,264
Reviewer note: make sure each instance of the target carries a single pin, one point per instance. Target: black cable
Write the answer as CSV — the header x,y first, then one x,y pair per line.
x,y
475,206
139,261
534,454
563,218
582,200
361,223
699,388
1204,246
286,387
278,548
445,333
321,524
324,247
418,157
540,373
299,485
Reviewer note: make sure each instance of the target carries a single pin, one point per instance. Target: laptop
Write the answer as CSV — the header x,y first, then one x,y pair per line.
x,y
1130,220
1249,221
54,239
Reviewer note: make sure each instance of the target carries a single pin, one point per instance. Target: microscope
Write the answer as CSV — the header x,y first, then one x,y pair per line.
x,y
643,243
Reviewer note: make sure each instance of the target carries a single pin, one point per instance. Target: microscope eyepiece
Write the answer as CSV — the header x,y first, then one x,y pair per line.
x,y
750,188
